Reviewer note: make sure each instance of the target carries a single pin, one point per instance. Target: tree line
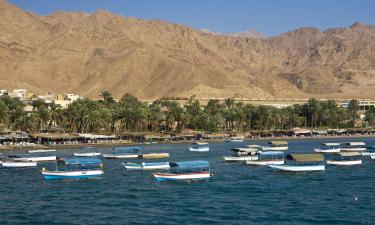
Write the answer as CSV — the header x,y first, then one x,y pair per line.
x,y
130,114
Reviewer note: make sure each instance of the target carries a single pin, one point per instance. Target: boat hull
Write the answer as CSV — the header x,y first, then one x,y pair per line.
x,y
372,156
118,156
275,148
81,174
90,154
299,168
265,163
36,159
146,166
240,158
201,149
359,149
18,164
344,162
184,176
154,155
41,150
333,150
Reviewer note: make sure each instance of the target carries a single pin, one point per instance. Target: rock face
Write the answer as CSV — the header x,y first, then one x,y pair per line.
x,y
88,53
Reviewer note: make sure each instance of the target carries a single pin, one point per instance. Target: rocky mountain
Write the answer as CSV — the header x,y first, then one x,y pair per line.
x,y
88,53
249,34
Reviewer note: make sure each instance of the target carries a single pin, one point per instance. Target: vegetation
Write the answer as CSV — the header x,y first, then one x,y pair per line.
x,y
132,115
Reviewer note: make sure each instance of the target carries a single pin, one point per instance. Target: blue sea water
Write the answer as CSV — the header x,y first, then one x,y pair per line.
x,y
236,194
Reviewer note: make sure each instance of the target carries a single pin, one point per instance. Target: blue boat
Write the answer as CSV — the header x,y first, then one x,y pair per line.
x,y
187,170
75,168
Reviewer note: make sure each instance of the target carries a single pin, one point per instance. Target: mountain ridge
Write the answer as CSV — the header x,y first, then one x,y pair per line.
x,y
87,53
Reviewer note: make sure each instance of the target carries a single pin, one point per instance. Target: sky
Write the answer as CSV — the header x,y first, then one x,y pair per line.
x,y
271,17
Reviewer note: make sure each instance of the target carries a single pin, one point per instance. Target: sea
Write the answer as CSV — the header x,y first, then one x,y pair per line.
x,y
235,194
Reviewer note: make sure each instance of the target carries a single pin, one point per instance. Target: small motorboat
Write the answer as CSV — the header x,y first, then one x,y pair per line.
x,y
243,154
235,139
146,166
328,148
32,158
154,155
199,147
346,159
10,163
124,153
87,154
353,146
188,170
41,150
75,168
268,158
276,146
301,163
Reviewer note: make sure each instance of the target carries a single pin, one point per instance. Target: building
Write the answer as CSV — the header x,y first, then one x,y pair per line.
x,y
72,97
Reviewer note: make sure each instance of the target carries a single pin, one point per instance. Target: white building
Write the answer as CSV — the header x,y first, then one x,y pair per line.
x,y
72,97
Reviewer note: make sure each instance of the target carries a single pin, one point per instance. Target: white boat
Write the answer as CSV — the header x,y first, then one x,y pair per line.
x,y
75,169
199,147
235,139
298,168
10,164
240,158
124,153
188,170
276,146
182,176
368,153
146,166
372,156
268,158
328,148
157,155
33,158
302,163
353,146
346,159
41,150
88,154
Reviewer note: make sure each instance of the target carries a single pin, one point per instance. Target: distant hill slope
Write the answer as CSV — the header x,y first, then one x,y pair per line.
x,y
88,53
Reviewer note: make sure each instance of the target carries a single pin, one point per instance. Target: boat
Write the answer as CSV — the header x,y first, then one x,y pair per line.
x,y
10,163
328,148
188,170
235,139
301,163
87,154
41,150
33,158
346,159
154,155
124,153
268,158
199,147
353,146
276,146
372,156
146,166
75,168
242,154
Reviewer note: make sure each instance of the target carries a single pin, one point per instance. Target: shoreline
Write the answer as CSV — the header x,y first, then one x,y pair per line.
x,y
82,145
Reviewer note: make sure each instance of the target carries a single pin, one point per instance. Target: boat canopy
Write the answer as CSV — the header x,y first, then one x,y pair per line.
x,y
348,154
128,149
191,164
355,143
253,146
269,153
331,144
200,143
248,150
278,143
82,161
305,157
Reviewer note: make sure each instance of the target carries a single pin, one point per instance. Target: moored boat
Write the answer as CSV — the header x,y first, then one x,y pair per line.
x,y
301,163
41,150
33,158
75,168
199,147
154,155
146,166
372,156
87,154
124,153
353,146
268,158
235,139
242,154
188,170
346,159
276,146
9,163
328,148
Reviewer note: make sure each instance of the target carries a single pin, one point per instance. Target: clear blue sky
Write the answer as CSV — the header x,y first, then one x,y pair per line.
x,y
271,17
